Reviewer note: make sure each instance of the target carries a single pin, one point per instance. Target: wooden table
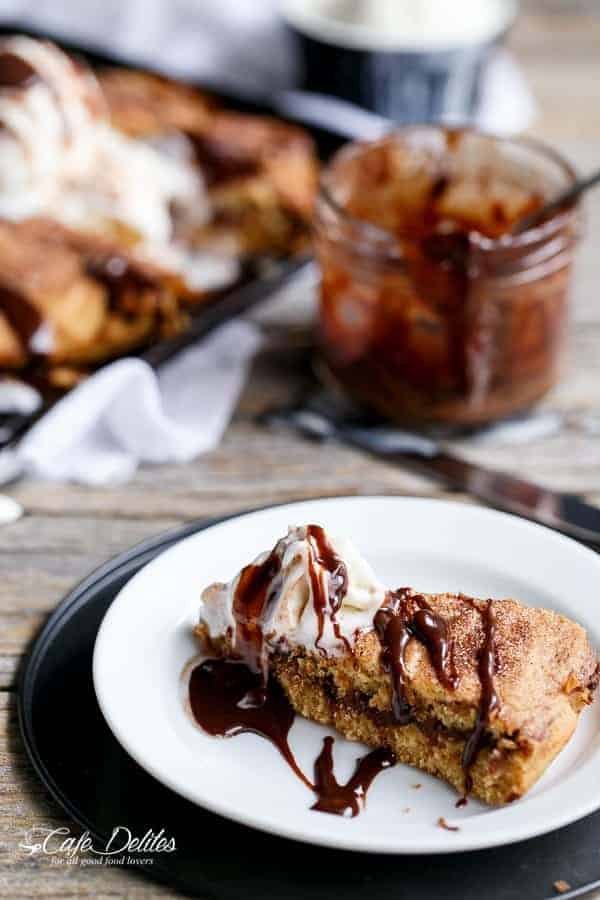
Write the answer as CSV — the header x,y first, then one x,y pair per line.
x,y
68,530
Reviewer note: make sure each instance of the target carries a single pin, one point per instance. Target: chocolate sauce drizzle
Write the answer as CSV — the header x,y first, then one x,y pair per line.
x,y
232,696
489,701
258,587
219,161
402,617
15,72
347,799
227,699
22,315
119,276
113,271
337,582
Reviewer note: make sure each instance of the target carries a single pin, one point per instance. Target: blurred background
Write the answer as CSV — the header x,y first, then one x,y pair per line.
x,y
511,67
224,42
357,66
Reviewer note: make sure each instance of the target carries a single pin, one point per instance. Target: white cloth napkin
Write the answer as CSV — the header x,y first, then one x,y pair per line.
x,y
127,414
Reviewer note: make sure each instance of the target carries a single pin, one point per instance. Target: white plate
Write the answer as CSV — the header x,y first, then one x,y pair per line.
x,y
144,643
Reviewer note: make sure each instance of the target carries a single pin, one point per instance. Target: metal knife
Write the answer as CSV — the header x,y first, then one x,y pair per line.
x,y
565,512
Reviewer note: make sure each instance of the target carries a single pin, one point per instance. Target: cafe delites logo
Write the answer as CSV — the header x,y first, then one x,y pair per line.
x,y
123,847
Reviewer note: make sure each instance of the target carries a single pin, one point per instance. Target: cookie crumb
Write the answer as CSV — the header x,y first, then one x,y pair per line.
x,y
417,786
561,887
443,824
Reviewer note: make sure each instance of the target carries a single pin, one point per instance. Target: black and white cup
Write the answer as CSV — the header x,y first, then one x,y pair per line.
x,y
407,60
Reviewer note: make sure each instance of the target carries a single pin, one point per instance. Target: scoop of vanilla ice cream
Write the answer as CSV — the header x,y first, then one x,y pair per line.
x,y
130,182
292,618
47,128
31,150
60,157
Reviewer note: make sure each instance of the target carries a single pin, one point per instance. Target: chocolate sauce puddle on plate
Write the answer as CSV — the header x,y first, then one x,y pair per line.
x,y
226,699
347,799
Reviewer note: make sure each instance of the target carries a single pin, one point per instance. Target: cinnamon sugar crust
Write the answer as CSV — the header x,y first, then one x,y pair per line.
x,y
545,674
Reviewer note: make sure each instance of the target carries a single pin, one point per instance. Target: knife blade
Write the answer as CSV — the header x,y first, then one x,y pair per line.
x,y
564,512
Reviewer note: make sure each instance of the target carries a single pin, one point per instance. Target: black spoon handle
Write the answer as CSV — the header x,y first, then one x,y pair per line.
x,y
562,201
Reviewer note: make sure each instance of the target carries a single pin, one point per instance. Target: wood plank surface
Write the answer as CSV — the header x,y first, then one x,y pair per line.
x,y
67,530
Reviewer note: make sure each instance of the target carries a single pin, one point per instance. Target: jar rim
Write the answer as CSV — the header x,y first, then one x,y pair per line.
x,y
370,232
333,31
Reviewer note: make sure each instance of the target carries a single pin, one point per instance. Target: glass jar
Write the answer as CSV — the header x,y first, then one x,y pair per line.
x,y
431,309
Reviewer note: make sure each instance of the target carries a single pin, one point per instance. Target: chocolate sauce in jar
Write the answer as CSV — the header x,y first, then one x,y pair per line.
x,y
347,799
402,617
432,308
227,699
337,581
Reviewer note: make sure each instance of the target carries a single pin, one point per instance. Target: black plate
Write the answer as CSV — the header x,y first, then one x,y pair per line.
x,y
98,784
